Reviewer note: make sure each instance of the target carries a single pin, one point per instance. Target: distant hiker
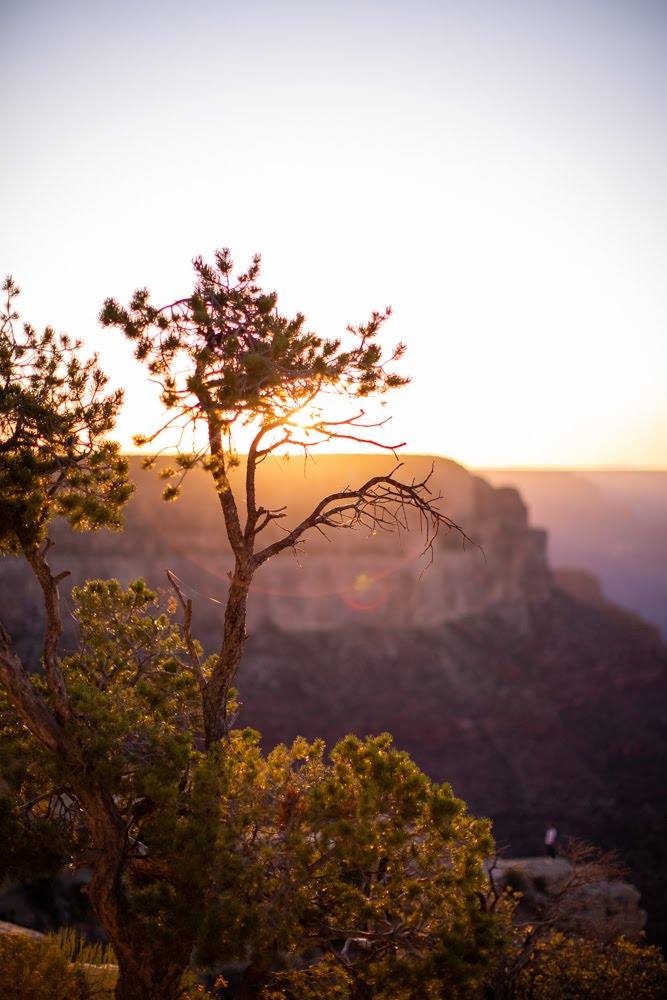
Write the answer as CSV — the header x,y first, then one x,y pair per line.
x,y
550,835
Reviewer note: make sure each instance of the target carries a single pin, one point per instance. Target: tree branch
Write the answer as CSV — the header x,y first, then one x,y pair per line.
x,y
53,627
382,502
255,454
186,629
29,704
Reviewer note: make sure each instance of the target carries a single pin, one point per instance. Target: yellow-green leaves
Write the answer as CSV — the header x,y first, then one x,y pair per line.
x,y
226,356
135,700
342,859
55,415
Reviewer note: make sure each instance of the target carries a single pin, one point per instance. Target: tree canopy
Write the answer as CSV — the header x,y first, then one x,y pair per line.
x,y
55,417
241,362
225,357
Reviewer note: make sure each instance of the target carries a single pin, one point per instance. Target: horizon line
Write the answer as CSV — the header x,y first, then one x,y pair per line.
x,y
483,467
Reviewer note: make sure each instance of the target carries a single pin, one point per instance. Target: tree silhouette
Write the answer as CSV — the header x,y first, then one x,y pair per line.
x,y
55,460
226,358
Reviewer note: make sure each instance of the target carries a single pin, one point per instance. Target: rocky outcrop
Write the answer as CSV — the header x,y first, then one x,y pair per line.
x,y
16,930
613,523
603,909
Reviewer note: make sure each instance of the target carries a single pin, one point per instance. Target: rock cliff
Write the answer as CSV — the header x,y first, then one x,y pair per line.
x,y
604,909
377,580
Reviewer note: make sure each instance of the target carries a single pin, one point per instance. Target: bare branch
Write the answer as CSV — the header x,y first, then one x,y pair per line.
x,y
29,704
381,503
257,454
264,517
53,627
186,631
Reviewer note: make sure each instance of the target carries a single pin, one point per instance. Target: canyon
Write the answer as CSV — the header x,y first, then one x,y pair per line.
x,y
537,698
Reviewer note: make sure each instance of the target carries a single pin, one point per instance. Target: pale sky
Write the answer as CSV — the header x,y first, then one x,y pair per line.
x,y
496,171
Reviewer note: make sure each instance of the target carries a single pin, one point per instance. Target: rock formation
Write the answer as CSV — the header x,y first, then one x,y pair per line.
x,y
376,580
604,909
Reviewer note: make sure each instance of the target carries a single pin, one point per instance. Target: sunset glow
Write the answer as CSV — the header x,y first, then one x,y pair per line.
x,y
494,172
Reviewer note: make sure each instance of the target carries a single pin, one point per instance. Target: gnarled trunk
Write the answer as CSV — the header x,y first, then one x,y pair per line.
x,y
146,970
143,975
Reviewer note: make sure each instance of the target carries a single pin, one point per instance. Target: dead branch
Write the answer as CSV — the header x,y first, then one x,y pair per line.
x,y
381,503
186,632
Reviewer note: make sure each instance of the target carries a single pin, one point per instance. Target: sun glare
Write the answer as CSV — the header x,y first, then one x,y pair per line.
x,y
512,217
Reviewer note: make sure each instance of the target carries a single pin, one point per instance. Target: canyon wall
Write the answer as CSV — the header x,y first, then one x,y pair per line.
x,y
354,577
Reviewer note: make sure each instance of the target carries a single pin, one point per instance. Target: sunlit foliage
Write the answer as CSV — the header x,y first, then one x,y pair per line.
x,y
358,871
354,866
576,968
55,413
225,356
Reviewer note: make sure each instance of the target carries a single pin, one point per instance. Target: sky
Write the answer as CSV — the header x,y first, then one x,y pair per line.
x,y
496,172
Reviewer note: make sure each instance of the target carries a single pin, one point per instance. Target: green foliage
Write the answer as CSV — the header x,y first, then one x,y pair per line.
x,y
575,968
42,969
239,359
355,872
133,698
275,858
55,458
34,841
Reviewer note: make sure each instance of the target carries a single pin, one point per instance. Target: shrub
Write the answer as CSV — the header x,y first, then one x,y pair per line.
x,y
34,969
575,968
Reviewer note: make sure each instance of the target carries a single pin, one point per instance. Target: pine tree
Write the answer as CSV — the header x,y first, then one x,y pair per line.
x,y
353,876
226,358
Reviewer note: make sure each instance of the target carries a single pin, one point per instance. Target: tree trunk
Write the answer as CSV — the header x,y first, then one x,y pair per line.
x,y
147,970
217,689
144,976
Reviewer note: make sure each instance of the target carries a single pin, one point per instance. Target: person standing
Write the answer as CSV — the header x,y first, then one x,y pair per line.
x,y
550,837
